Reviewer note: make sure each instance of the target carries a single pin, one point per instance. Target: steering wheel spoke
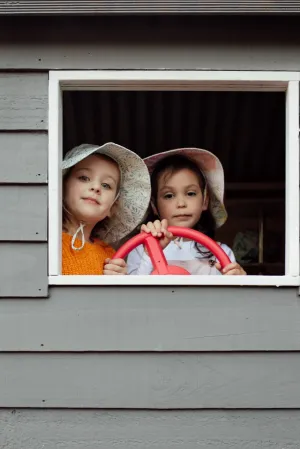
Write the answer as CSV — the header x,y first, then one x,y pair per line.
x,y
156,254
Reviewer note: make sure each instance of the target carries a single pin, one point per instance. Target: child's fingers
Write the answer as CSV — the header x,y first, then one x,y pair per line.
x,y
232,269
118,262
152,228
164,229
158,227
110,266
114,269
164,224
115,266
144,228
169,235
237,270
234,272
149,228
108,272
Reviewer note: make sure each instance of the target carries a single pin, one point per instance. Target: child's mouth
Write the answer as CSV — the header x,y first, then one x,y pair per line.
x,y
91,201
183,216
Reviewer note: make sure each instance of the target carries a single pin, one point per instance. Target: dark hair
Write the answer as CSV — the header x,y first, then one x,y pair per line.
x,y
172,165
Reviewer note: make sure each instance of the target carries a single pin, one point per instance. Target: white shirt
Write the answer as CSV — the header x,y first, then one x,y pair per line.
x,y
180,253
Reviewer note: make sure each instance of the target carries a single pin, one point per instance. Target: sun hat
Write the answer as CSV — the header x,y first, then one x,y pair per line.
x,y
135,188
212,170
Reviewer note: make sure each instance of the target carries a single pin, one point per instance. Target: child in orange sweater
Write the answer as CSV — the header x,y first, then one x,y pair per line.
x,y
106,192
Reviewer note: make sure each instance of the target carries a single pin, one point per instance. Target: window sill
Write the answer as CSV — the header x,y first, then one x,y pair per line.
x,y
263,281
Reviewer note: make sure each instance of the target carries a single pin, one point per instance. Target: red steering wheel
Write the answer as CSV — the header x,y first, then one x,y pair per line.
x,y
157,256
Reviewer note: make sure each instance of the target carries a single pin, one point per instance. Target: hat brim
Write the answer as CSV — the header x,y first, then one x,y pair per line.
x,y
135,188
212,170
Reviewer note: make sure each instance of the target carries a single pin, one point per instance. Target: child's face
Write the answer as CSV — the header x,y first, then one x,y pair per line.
x,y
91,189
180,199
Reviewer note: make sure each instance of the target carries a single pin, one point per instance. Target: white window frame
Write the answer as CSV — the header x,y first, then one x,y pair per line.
x,y
175,80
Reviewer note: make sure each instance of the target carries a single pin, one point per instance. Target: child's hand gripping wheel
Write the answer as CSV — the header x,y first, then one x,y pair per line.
x,y
156,254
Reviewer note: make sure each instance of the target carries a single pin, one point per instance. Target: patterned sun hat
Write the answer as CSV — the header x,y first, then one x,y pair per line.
x,y
212,170
135,187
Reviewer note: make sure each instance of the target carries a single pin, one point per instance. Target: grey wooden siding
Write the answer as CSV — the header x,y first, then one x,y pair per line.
x,y
151,381
23,193
25,216
23,158
76,429
137,319
150,7
206,349
112,43
23,269
23,101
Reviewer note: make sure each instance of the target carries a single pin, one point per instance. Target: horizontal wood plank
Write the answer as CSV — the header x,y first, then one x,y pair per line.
x,y
23,213
23,270
153,7
151,381
154,319
110,43
23,101
91,429
23,158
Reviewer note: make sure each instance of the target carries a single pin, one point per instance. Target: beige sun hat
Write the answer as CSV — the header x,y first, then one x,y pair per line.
x,y
135,188
212,170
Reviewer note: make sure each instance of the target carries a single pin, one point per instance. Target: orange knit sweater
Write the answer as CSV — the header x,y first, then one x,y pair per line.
x,y
88,260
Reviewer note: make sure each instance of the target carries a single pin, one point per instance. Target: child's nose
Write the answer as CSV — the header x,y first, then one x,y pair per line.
x,y
96,188
181,202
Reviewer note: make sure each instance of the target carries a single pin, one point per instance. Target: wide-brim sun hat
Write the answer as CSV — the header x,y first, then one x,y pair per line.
x,y
135,188
212,170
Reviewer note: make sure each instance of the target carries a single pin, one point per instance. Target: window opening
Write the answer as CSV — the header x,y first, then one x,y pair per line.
x,y
245,130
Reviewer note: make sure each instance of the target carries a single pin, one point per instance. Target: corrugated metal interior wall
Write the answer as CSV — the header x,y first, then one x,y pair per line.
x,y
244,129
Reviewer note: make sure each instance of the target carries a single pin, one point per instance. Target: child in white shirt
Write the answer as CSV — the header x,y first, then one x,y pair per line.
x,y
187,191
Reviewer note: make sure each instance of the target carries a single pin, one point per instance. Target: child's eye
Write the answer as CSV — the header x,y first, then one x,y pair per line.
x,y
84,178
192,193
106,186
168,196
